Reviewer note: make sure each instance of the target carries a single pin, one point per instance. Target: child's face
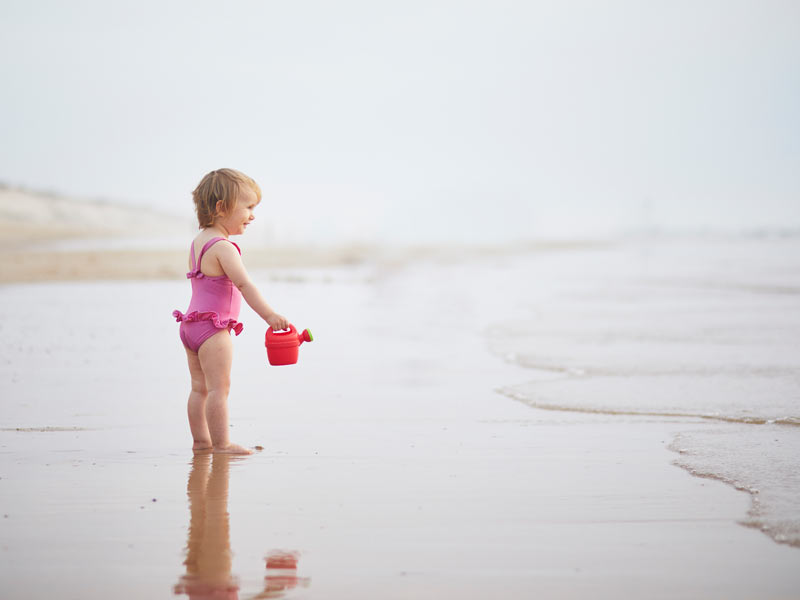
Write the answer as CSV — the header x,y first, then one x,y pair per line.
x,y
237,220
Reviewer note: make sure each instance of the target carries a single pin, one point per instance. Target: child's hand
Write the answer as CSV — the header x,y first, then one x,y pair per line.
x,y
277,322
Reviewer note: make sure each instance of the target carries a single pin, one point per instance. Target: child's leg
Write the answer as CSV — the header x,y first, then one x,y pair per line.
x,y
216,357
196,407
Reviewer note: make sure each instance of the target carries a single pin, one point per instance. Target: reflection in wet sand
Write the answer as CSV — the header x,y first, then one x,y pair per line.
x,y
208,549
281,575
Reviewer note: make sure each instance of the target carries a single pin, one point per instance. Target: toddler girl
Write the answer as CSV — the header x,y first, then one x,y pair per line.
x,y
224,201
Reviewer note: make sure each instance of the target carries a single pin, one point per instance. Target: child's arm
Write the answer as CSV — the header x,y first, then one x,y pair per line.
x,y
232,265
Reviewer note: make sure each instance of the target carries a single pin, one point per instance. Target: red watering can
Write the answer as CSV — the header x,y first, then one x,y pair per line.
x,y
282,346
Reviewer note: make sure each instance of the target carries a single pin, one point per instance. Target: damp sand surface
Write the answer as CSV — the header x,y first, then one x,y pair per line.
x,y
394,463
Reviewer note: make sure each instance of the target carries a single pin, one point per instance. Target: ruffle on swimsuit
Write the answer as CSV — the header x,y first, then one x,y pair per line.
x,y
194,316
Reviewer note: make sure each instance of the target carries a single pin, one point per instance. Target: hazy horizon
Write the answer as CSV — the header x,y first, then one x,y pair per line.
x,y
451,121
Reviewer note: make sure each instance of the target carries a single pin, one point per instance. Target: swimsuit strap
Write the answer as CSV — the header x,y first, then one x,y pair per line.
x,y
206,246
194,262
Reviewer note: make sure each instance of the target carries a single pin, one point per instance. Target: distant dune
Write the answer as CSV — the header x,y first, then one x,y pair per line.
x,y
48,237
34,217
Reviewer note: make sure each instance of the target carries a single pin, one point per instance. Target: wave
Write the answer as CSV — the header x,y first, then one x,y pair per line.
x,y
758,461
750,420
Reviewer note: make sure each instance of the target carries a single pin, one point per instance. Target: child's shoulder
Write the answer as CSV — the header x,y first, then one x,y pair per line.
x,y
199,241
204,236
222,244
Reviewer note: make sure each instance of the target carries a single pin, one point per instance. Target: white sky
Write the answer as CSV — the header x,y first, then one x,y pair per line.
x,y
415,120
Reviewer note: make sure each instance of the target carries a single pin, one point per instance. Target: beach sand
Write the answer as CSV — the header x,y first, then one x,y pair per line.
x,y
391,466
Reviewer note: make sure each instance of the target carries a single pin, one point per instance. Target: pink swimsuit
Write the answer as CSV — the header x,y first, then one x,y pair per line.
x,y
214,306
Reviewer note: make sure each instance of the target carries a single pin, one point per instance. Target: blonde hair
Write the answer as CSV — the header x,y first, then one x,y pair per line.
x,y
223,186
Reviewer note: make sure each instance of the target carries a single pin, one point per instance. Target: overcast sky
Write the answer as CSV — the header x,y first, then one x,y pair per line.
x,y
415,120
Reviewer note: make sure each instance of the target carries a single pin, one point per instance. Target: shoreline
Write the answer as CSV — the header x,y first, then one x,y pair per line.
x,y
129,262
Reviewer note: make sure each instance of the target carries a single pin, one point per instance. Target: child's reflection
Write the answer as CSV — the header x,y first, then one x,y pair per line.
x,y
208,550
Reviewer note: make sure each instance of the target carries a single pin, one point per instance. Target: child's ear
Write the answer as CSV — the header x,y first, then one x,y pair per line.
x,y
218,209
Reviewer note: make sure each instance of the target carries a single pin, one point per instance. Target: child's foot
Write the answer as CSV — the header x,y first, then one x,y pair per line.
x,y
232,449
202,447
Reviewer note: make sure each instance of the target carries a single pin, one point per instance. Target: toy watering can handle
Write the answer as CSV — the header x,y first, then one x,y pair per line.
x,y
282,331
288,335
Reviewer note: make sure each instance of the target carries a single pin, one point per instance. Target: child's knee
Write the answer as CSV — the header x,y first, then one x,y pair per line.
x,y
220,386
199,386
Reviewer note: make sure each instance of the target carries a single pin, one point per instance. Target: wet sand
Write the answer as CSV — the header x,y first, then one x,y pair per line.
x,y
391,466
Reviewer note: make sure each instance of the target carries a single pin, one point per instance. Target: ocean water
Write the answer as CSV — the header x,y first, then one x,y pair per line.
x,y
697,330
